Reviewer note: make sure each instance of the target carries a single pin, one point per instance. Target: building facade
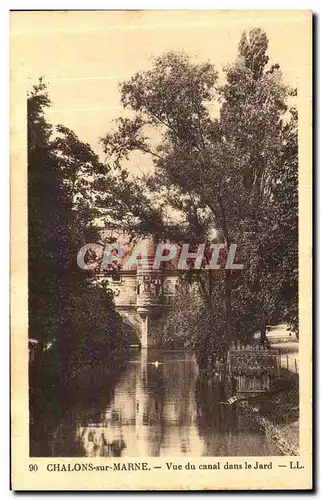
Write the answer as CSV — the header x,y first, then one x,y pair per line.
x,y
143,296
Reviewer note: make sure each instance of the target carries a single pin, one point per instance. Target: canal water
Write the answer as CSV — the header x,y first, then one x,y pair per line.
x,y
148,403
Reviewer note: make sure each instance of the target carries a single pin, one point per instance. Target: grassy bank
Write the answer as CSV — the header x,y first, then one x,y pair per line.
x,y
278,413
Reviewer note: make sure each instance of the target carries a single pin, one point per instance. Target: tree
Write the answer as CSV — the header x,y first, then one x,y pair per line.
x,y
46,241
256,121
285,229
65,309
173,98
194,325
217,173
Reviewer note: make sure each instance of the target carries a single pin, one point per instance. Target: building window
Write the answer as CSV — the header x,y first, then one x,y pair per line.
x,y
168,287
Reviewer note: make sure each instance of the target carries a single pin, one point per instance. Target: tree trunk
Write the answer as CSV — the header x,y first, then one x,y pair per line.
x,y
229,312
263,338
228,285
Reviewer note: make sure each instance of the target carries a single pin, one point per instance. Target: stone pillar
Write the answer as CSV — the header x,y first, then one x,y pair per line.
x,y
145,329
144,366
149,293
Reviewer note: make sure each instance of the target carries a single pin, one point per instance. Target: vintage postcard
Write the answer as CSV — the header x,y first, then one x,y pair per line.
x,y
161,288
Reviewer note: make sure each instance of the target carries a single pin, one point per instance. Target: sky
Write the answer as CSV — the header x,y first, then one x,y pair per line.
x,y
83,56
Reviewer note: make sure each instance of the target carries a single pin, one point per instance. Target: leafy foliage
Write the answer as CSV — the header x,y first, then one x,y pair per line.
x,y
235,174
76,317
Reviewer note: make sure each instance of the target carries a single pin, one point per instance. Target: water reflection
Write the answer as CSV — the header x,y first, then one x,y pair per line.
x,y
151,404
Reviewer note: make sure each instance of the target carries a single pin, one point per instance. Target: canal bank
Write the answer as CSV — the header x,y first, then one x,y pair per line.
x,y
277,414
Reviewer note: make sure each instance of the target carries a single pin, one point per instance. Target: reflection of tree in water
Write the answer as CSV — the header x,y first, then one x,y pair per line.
x,y
216,422
136,407
47,398
224,430
57,409
98,445
94,389
178,405
133,412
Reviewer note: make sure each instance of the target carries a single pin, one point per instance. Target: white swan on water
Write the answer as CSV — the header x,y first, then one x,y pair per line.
x,y
155,363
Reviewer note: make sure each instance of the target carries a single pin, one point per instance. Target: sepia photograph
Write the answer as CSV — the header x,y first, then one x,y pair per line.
x,y
162,165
